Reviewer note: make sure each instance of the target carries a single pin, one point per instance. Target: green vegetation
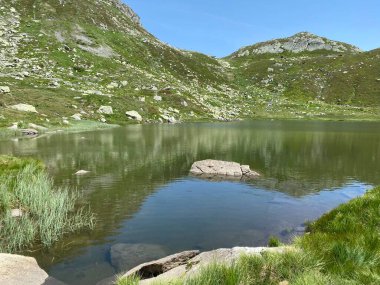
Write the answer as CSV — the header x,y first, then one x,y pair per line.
x,y
274,242
48,212
341,248
130,280
70,60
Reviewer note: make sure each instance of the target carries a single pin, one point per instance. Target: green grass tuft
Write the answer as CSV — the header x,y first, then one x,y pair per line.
x,y
48,212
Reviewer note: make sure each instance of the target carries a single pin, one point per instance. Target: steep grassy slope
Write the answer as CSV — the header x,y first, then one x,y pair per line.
x,y
60,54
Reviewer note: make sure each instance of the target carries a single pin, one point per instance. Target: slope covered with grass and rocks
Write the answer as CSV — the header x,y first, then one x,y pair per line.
x,y
65,61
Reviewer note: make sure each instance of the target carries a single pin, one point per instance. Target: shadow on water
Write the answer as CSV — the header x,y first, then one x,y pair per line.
x,y
140,190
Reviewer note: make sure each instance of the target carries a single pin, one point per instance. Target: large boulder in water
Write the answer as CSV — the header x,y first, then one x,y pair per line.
x,y
23,270
217,168
125,256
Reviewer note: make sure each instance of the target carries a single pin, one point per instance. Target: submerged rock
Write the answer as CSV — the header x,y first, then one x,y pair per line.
x,y
22,270
217,168
125,256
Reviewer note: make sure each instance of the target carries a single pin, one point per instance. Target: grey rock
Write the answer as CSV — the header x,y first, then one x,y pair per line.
x,y
209,168
22,270
5,89
82,172
157,98
300,42
188,264
77,117
168,119
107,110
134,115
24,108
126,256
16,213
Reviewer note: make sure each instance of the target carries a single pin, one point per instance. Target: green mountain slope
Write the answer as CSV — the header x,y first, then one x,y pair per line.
x,y
59,54
68,58
308,67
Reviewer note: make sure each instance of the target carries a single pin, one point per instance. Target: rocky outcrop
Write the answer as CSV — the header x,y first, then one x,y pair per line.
x,y
223,169
301,42
127,11
22,270
189,263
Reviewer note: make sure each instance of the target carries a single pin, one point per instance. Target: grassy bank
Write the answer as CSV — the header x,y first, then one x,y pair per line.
x,y
48,212
340,248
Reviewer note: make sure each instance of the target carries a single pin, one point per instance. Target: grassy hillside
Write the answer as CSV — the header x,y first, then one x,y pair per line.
x,y
69,57
341,78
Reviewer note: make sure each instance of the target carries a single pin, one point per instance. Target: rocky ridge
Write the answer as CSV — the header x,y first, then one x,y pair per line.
x,y
301,42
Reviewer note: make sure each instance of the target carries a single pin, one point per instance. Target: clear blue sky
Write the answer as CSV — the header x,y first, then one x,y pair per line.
x,y
219,27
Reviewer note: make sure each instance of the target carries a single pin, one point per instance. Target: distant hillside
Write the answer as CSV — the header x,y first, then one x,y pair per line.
x,y
308,67
92,60
298,43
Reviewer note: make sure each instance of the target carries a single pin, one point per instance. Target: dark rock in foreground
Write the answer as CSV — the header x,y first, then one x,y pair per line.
x,y
222,169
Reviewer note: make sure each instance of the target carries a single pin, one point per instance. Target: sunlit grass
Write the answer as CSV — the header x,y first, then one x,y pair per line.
x,y
48,212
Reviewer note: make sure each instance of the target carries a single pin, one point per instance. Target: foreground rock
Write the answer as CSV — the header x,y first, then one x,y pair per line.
x,y
188,264
125,256
216,168
22,270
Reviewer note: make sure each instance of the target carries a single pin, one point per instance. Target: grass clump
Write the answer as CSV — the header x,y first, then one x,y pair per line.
x,y
129,280
274,242
348,239
48,212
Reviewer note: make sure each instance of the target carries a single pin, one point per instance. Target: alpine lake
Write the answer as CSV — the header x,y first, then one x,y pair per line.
x,y
147,204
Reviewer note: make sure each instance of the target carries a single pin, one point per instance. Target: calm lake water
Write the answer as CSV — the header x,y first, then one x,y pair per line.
x,y
141,193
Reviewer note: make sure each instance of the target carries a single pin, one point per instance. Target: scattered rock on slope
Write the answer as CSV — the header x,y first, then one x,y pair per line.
x,y
24,108
5,89
134,115
107,110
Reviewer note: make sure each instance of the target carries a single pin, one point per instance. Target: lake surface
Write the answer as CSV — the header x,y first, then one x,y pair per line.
x,y
141,193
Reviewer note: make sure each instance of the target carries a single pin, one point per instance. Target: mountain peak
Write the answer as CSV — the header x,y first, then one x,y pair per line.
x,y
300,42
